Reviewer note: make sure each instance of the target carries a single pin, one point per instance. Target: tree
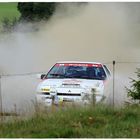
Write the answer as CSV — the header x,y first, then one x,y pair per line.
x,y
36,11
134,92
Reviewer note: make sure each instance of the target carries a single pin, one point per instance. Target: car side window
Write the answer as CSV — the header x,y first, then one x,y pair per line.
x,y
108,72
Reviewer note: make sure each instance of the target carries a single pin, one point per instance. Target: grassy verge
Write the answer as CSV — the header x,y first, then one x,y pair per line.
x,y
90,122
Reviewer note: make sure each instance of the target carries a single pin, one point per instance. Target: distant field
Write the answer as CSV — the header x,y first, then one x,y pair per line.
x,y
8,10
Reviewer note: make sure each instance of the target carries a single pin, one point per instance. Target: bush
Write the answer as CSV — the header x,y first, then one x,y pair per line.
x,y
9,25
134,92
36,11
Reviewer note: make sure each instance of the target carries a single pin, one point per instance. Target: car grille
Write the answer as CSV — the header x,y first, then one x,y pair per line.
x,y
68,94
46,93
63,94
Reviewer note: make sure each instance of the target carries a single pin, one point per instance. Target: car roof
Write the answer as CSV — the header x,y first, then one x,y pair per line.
x,y
85,62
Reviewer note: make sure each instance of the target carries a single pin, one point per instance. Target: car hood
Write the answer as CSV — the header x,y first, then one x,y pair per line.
x,y
82,83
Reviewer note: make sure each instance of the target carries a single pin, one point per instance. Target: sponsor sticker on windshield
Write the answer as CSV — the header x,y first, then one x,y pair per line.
x,y
78,64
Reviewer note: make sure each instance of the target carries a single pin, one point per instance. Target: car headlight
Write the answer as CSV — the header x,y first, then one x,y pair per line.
x,y
85,94
44,89
97,91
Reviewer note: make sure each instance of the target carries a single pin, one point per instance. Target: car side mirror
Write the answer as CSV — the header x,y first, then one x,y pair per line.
x,y
42,76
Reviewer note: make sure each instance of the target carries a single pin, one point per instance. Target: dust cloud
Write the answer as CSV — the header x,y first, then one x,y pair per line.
x,y
100,32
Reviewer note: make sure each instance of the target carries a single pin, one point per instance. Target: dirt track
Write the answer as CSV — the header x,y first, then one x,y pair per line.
x,y
97,32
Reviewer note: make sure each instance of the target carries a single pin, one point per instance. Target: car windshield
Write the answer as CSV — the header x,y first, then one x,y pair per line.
x,y
80,70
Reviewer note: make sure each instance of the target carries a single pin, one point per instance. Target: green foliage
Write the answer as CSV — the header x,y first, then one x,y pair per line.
x,y
8,16
36,11
77,122
9,25
134,92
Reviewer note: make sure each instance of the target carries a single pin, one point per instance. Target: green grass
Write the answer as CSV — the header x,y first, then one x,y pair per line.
x,y
90,122
8,10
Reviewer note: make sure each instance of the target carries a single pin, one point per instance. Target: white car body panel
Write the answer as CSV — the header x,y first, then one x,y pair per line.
x,y
69,89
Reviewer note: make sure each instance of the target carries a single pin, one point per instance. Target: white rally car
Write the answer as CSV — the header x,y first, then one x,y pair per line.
x,y
73,82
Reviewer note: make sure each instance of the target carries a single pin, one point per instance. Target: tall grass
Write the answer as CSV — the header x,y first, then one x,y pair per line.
x,y
77,122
